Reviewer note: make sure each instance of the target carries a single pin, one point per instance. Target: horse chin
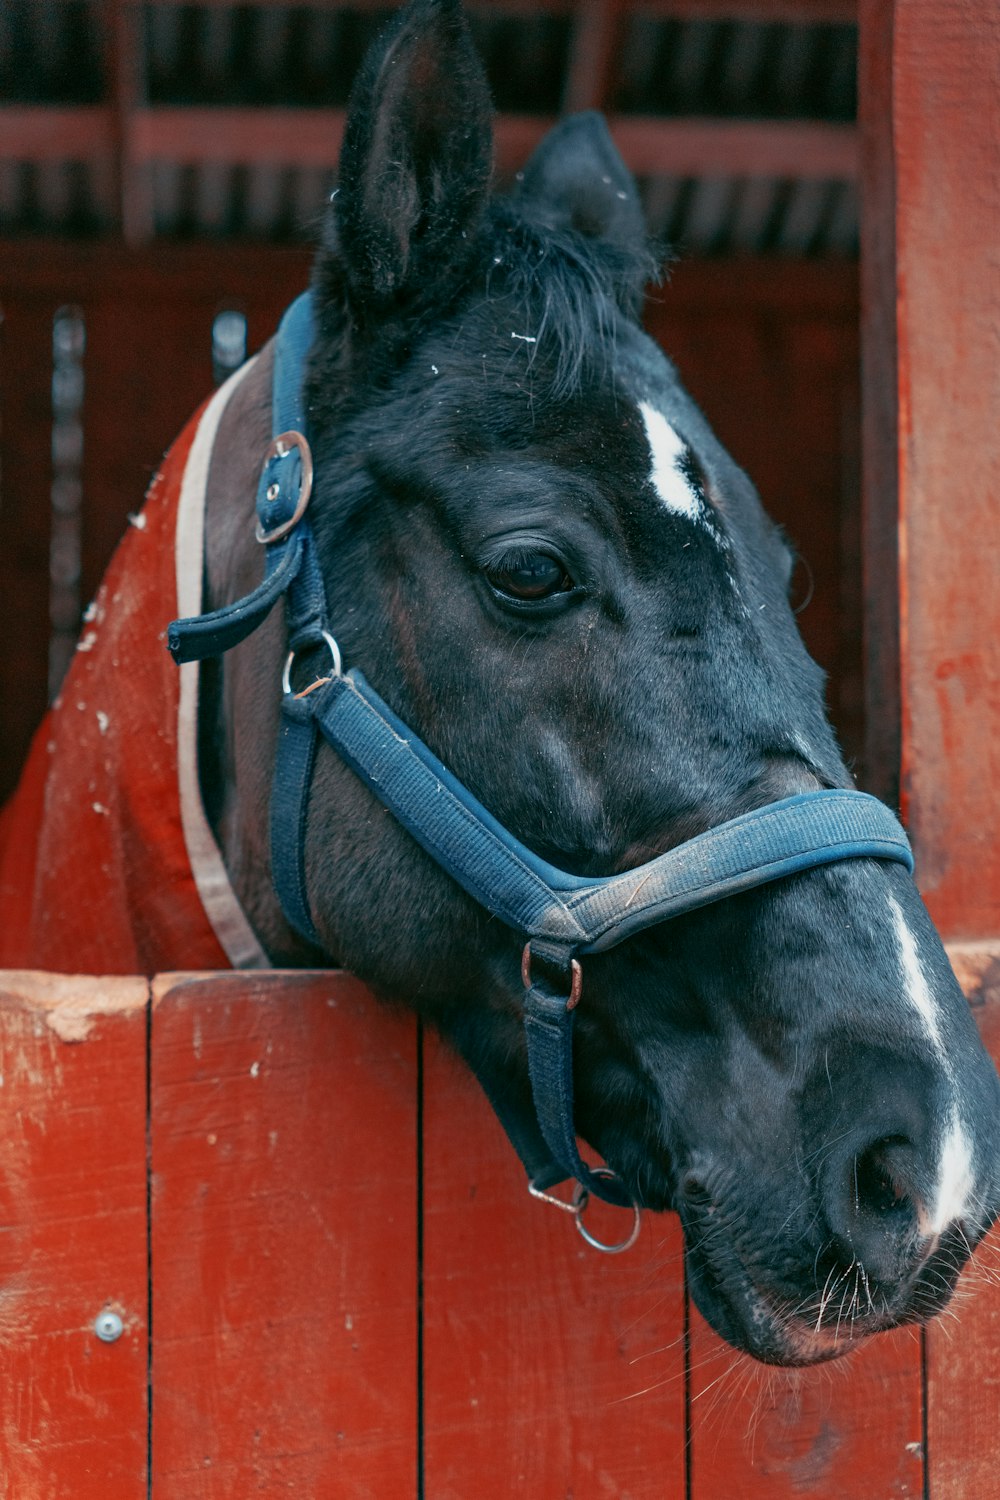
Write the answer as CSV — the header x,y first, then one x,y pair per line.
x,y
751,1322
755,1321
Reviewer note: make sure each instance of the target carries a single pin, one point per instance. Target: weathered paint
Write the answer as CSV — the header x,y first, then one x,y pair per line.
x,y
344,1270
72,1237
284,1239
946,124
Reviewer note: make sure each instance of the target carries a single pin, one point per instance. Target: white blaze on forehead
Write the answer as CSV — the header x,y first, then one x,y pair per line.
x,y
667,477
914,979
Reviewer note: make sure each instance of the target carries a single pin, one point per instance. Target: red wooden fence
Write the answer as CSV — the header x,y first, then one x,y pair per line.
x,y
332,1283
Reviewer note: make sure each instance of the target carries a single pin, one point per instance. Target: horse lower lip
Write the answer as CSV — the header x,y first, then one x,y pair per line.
x,y
747,1320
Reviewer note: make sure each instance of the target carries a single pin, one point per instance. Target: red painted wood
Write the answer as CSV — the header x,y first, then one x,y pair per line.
x,y
284,1210
73,1241
850,1431
535,1347
880,421
963,1377
946,121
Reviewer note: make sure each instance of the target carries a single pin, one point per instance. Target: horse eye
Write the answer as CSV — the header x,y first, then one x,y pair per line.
x,y
529,576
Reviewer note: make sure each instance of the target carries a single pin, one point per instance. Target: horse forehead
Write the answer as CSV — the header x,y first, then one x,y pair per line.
x,y
669,474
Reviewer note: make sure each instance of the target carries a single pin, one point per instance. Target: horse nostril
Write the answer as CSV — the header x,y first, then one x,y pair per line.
x,y
873,1206
879,1189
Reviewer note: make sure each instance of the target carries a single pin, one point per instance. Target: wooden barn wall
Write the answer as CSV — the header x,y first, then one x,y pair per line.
x,y
770,350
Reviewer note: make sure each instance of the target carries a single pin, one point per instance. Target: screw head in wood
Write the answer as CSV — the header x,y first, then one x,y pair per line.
x,y
108,1326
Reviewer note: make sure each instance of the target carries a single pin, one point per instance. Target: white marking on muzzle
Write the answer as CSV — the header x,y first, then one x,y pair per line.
x,y
667,477
915,981
955,1181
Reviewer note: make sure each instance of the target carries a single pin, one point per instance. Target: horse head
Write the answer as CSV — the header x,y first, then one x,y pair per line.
x,y
534,546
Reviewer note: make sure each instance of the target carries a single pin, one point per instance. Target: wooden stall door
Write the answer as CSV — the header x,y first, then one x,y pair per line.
x,y
353,1295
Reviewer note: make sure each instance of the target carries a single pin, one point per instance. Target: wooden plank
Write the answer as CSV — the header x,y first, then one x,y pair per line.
x,y
839,1433
651,146
536,1348
879,414
43,132
963,1379
73,1243
793,12
284,1204
270,275
946,120
594,51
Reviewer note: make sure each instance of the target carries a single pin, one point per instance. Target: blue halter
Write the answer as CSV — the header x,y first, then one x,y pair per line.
x,y
560,916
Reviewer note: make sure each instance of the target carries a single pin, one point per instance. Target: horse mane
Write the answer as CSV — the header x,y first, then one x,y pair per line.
x,y
570,286
564,287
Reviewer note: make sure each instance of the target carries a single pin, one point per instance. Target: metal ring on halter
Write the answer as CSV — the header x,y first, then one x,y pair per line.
x,y
280,447
581,1197
286,676
576,976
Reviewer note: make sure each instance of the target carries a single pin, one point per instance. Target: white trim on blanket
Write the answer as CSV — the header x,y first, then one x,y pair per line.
x,y
229,921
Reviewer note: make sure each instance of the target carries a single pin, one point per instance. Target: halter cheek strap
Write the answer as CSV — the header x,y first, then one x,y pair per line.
x,y
560,916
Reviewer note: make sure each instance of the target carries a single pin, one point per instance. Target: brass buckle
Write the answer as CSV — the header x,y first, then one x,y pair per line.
x,y
280,447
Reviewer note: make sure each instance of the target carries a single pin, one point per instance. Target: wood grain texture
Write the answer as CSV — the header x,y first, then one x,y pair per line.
x,y
284,1209
536,1348
946,124
850,1431
963,1376
73,1238
879,411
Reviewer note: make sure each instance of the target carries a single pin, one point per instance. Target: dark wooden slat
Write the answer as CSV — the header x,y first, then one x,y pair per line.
x,y
794,12
284,1209
37,132
25,509
596,34
879,424
73,1209
311,138
650,146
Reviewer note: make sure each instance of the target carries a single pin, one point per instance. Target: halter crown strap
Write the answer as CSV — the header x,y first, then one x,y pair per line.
x,y
561,915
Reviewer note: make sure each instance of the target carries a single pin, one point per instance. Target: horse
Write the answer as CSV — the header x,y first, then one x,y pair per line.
x,y
529,538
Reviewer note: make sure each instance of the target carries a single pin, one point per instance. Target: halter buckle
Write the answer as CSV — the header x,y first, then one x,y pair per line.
x,y
281,447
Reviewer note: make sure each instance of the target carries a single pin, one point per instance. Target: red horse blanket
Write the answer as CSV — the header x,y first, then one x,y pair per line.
x,y
107,862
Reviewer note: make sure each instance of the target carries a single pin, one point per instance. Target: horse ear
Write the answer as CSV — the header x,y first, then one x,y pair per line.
x,y
416,160
577,179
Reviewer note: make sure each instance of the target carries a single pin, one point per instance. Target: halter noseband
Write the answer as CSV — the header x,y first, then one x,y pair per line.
x,y
560,916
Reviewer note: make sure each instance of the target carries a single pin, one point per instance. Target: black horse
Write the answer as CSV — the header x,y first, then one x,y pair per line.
x,y
535,548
